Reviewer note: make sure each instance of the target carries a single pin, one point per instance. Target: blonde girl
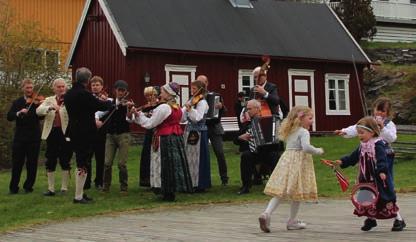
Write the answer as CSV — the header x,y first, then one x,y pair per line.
x,y
293,178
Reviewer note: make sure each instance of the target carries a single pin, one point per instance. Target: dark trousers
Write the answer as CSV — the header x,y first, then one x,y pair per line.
x,y
57,148
249,161
217,146
24,152
98,151
83,151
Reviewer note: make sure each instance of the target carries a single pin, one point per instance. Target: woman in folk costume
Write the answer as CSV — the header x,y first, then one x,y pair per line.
x,y
152,97
169,170
293,178
196,137
373,167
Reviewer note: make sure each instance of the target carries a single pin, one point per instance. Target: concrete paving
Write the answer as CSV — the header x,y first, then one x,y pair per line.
x,y
328,220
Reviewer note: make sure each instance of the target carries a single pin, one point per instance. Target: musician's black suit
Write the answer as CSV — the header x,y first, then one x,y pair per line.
x,y
81,106
250,159
273,99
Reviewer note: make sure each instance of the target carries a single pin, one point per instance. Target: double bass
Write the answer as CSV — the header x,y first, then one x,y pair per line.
x,y
265,111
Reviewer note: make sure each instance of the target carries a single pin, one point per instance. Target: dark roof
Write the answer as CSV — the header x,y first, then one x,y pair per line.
x,y
276,28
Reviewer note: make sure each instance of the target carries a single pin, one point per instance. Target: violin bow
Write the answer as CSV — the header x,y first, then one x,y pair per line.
x,y
40,88
114,109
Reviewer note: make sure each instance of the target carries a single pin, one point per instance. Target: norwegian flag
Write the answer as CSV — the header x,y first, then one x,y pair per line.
x,y
342,180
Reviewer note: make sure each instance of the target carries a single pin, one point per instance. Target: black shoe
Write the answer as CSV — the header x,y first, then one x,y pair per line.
x,y
88,199
49,193
81,201
13,192
369,224
243,190
224,181
398,225
258,181
28,190
199,190
169,197
64,191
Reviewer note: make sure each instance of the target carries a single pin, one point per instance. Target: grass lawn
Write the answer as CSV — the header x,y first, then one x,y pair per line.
x,y
28,209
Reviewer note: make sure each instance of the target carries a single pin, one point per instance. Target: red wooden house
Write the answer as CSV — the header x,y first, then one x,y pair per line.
x,y
151,42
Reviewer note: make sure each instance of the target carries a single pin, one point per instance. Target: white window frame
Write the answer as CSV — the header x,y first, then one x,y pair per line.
x,y
336,77
245,72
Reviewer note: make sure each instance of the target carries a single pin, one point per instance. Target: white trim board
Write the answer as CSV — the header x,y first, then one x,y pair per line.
x,y
113,25
303,72
179,68
349,34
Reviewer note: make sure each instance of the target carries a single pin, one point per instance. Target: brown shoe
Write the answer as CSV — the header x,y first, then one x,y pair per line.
x,y
264,221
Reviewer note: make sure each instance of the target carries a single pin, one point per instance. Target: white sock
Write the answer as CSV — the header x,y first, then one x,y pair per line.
x,y
51,181
80,177
273,203
294,209
398,217
65,179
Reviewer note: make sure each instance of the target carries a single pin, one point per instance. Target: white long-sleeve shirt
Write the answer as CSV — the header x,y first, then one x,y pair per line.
x,y
197,113
159,114
388,133
300,140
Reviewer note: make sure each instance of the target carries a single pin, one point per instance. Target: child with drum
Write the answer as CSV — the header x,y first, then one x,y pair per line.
x,y
293,177
373,196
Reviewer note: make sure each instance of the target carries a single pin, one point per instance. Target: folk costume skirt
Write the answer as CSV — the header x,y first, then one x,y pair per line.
x,y
197,152
293,178
169,169
145,159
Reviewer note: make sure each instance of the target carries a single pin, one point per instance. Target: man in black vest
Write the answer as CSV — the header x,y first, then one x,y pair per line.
x,y
118,138
215,133
81,106
26,141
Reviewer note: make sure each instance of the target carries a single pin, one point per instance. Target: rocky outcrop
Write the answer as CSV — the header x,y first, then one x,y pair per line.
x,y
393,56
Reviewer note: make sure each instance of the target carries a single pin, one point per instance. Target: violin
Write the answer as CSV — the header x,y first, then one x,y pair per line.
x,y
35,99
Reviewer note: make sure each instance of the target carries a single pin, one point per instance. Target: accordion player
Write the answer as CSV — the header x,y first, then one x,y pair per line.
x,y
264,133
213,99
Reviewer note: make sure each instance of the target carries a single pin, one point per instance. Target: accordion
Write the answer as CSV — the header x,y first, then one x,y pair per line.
x,y
213,99
264,133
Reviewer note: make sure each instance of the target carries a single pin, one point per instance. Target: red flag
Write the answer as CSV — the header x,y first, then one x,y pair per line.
x,y
342,180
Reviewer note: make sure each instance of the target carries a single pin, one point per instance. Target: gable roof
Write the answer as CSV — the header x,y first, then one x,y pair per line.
x,y
276,28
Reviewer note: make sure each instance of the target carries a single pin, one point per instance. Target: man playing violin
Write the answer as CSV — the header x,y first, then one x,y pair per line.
x,y
81,106
26,141
118,137
97,85
54,129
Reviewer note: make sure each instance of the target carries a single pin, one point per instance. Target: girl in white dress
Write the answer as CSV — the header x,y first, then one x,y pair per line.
x,y
293,178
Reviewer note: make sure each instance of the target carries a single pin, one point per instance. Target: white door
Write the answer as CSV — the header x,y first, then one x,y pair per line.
x,y
183,75
301,89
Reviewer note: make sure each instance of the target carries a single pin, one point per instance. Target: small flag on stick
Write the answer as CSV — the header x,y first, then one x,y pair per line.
x,y
342,180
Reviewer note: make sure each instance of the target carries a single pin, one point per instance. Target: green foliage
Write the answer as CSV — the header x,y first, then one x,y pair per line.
x,y
27,209
25,52
358,17
387,45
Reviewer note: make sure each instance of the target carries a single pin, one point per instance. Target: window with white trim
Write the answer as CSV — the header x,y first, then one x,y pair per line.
x,y
245,81
337,98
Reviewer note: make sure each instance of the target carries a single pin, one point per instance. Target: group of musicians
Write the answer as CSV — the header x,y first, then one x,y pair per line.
x,y
85,121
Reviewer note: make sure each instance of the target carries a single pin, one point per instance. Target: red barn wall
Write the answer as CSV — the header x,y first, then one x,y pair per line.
x,y
98,50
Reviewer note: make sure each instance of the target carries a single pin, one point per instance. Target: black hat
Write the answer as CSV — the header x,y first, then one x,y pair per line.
x,y
120,84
